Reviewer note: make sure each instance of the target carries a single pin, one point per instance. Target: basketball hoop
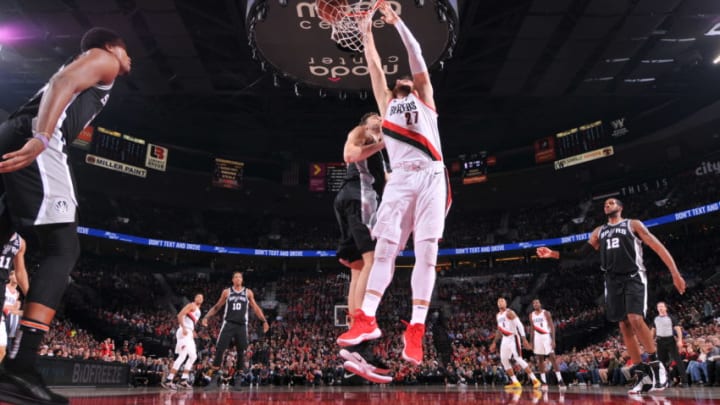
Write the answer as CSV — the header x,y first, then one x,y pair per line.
x,y
346,17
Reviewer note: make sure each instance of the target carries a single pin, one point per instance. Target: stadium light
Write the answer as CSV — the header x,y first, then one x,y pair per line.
x,y
717,60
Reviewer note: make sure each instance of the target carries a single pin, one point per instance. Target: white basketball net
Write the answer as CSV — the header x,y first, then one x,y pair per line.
x,y
346,30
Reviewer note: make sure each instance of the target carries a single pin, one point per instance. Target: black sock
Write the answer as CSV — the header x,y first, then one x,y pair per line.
x,y
652,357
23,354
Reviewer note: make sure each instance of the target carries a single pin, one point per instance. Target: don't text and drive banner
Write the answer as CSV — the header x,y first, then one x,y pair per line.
x,y
708,209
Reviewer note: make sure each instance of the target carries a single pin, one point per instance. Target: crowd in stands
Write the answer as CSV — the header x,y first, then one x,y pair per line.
x,y
132,304
300,348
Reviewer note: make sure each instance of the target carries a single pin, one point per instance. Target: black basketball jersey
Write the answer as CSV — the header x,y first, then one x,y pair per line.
x,y
620,249
236,307
9,251
368,173
78,114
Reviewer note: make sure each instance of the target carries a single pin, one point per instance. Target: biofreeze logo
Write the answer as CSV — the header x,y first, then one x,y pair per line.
x,y
335,68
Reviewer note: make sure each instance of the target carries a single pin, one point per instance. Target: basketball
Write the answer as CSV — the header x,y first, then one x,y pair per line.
x,y
331,11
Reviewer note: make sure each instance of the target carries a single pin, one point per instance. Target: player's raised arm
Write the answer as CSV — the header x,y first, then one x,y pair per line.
x,y
377,76
418,67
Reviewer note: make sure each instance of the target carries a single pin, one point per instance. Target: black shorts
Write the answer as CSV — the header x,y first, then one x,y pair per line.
x,y
355,236
625,294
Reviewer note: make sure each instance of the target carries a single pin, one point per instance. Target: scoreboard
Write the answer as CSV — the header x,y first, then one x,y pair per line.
x,y
119,147
474,167
327,176
585,143
581,139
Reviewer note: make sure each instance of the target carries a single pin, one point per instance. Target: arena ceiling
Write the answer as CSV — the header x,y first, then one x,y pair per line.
x,y
521,70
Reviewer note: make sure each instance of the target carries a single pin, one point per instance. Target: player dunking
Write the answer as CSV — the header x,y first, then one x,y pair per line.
x,y
185,347
355,208
40,193
236,301
510,333
620,244
543,341
415,198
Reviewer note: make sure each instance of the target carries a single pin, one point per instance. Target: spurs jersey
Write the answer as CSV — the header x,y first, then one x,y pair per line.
x,y
78,114
44,192
411,131
365,181
191,319
236,307
9,251
620,249
540,323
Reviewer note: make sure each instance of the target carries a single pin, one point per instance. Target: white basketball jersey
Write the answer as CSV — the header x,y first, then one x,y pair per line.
x,y
410,131
191,319
506,326
540,323
11,296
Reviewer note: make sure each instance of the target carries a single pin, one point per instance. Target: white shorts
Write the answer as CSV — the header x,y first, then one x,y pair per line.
x,y
3,334
185,344
542,344
510,349
415,199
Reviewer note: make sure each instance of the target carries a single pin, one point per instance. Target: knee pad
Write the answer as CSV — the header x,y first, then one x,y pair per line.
x,y
424,273
385,250
383,267
426,252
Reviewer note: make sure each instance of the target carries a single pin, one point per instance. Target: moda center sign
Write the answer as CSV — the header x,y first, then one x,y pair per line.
x,y
290,37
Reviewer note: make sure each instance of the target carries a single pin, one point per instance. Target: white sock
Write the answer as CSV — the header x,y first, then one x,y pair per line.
x,y
419,314
542,377
532,376
370,304
559,376
171,376
514,379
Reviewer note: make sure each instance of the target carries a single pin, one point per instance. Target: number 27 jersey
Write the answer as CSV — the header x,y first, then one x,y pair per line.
x,y
410,131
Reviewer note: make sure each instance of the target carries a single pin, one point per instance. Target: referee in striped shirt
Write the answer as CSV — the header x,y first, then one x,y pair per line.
x,y
669,337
